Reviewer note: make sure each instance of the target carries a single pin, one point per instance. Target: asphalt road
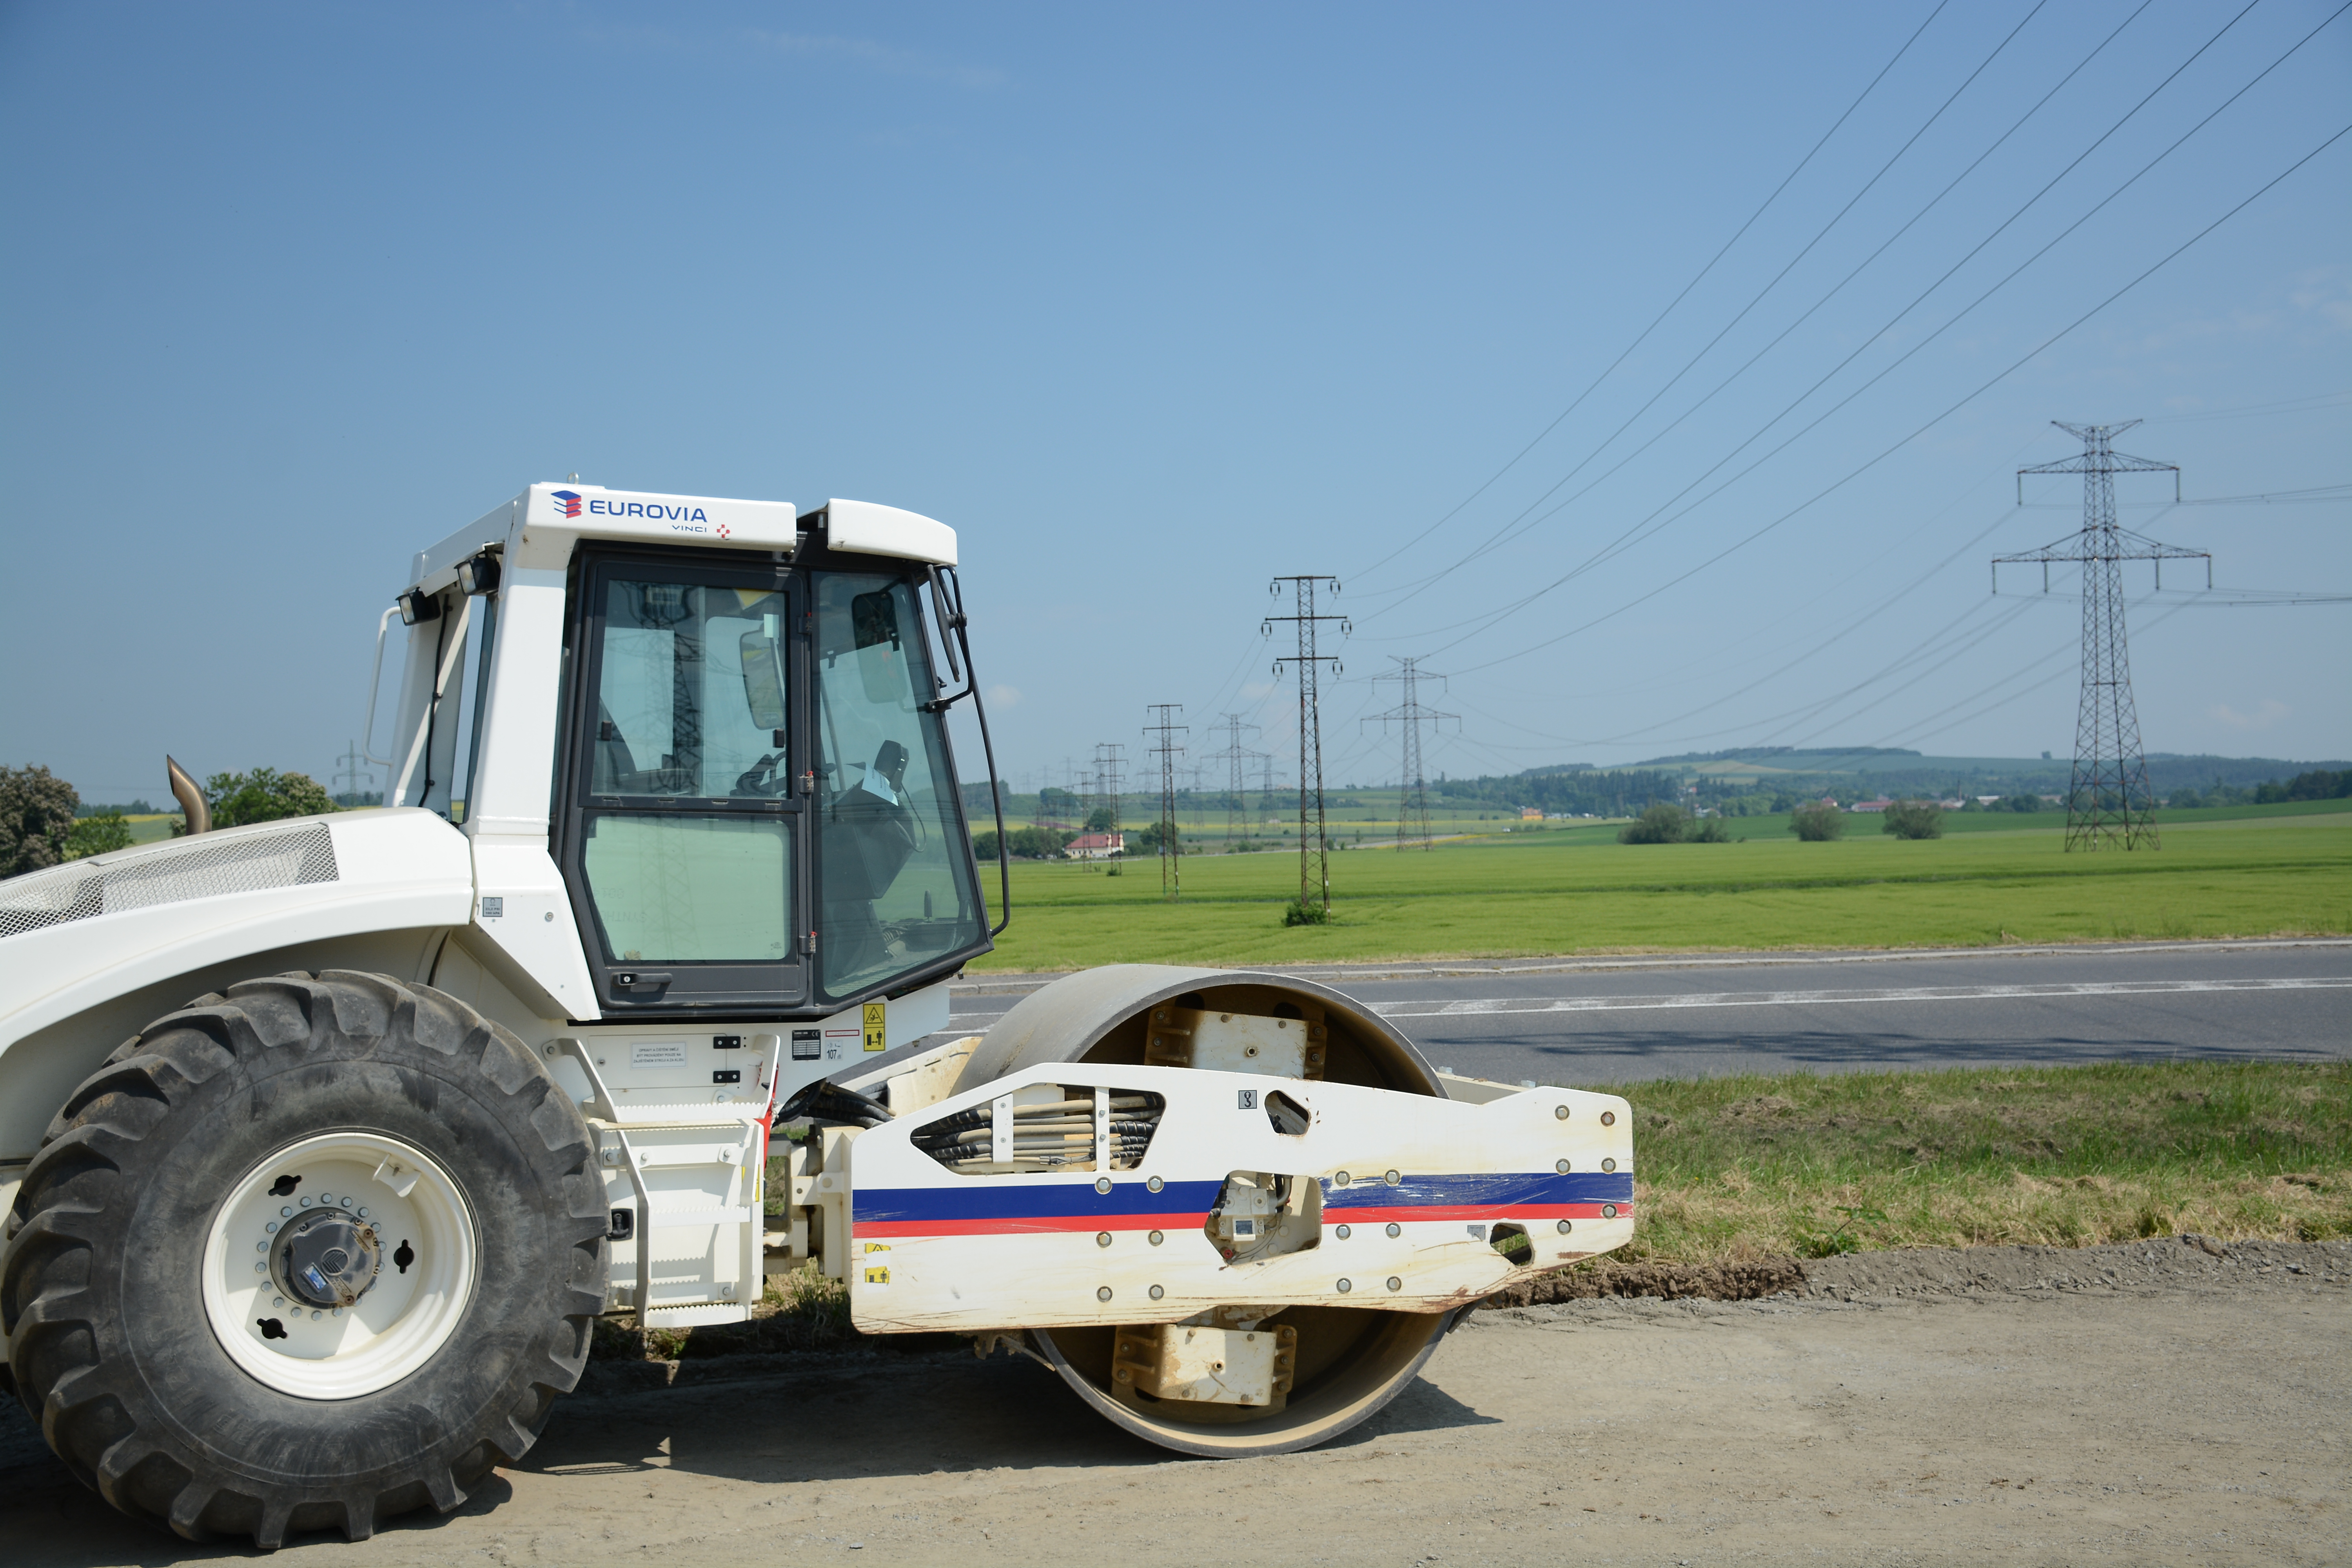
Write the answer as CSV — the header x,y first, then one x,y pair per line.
x,y
1620,1020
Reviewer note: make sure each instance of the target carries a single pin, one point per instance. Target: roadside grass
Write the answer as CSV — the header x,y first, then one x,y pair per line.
x,y
1759,1165
1578,890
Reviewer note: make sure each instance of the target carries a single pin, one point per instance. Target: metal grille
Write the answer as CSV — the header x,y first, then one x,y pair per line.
x,y
204,868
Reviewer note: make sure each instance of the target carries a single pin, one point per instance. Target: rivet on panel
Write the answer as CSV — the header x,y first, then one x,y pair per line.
x,y
1158,1237
1346,1286
1393,1178
1560,1112
1608,1119
1344,1232
1102,1238
1103,1294
1395,1229
1561,1166
1157,1292
1608,1211
1154,1184
1340,1179
1102,1184
1565,1228
1395,1283
1608,1165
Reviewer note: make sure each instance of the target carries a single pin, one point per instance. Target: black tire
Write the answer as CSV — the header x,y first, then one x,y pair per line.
x,y
108,1337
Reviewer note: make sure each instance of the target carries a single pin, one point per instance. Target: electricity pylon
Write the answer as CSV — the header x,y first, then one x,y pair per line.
x,y
1236,755
1413,790
1314,859
2109,802
1165,729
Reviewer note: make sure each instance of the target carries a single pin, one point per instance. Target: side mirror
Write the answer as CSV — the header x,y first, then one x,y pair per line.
x,y
763,679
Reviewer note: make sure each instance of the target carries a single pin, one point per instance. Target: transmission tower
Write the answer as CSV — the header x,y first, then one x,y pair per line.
x,y
1314,859
1164,730
2109,802
359,775
1107,762
1412,792
1236,755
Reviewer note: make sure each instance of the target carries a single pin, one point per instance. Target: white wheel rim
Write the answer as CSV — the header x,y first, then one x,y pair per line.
x,y
399,1321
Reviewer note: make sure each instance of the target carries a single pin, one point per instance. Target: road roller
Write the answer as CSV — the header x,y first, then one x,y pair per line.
x,y
327,1142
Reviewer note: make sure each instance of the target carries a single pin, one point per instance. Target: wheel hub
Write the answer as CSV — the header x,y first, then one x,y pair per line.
x,y
327,1258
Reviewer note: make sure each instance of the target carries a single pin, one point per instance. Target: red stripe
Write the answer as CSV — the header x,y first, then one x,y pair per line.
x,y
1419,1211
1054,1225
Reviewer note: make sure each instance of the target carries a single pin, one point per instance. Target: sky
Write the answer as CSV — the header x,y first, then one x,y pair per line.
x,y
1658,376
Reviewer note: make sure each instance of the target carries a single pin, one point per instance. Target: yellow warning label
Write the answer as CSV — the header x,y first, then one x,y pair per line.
x,y
877,1276
878,1034
877,1246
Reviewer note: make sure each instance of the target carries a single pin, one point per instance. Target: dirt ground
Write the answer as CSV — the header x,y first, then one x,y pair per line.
x,y
2151,1403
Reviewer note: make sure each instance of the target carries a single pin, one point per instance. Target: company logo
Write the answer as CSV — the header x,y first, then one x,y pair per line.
x,y
568,501
681,519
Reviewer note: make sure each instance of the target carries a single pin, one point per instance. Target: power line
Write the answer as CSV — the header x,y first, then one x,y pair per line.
x,y
1898,445
1514,528
1650,525
1695,278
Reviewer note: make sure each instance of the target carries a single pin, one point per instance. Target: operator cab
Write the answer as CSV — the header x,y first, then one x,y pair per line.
x,y
755,811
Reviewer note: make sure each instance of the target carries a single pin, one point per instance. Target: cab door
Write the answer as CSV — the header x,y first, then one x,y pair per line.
x,y
684,843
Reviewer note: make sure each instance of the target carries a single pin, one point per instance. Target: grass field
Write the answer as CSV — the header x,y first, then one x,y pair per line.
x,y
1809,1164
1568,891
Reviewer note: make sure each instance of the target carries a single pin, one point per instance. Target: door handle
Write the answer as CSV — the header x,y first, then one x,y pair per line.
x,y
640,980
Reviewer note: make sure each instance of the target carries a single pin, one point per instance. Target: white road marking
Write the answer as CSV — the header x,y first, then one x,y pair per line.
x,y
1436,1008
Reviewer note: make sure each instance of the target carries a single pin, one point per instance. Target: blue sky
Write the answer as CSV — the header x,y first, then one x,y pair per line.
x,y
1153,305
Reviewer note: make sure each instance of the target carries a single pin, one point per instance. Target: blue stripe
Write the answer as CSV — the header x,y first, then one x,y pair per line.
x,y
989,1198
1493,1190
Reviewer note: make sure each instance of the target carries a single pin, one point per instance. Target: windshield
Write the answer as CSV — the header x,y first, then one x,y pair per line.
x,y
893,877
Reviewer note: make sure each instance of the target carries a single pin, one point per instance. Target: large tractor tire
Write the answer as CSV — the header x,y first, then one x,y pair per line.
x,y
304,1256
1350,1360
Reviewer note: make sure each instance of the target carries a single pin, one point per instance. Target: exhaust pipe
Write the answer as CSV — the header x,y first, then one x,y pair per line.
x,y
191,798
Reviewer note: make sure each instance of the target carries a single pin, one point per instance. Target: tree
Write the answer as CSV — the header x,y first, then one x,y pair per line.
x,y
1101,820
96,834
1818,823
1146,841
37,816
1914,819
1659,824
265,795
1708,830
2020,802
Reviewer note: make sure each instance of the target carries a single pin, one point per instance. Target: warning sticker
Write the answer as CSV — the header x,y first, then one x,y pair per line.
x,y
657,1054
877,1033
877,1246
877,1276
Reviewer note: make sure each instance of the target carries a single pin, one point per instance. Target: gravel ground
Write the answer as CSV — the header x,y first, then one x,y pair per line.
x,y
2163,1401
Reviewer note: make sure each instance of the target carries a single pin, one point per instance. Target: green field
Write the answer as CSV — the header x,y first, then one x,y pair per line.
x,y
1809,1164
1575,890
